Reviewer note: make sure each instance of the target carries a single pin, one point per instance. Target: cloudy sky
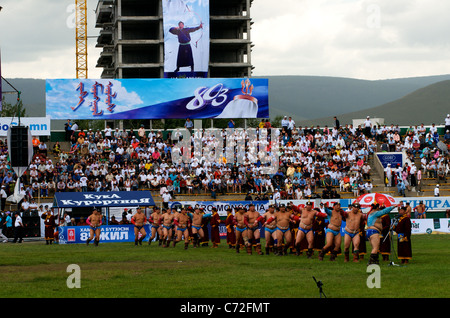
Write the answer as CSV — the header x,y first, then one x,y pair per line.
x,y
366,39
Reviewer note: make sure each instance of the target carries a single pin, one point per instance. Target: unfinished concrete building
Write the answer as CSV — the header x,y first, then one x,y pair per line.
x,y
131,35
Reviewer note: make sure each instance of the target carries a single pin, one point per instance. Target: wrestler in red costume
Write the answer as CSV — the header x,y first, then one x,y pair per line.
x,y
305,227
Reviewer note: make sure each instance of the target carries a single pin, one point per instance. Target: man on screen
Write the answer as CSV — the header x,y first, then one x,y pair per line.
x,y
185,57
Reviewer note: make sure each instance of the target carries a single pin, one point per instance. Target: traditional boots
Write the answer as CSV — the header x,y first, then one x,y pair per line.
x,y
346,256
356,256
258,249
333,256
373,259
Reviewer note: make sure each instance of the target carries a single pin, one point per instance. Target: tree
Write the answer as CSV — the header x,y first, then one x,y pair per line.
x,y
10,110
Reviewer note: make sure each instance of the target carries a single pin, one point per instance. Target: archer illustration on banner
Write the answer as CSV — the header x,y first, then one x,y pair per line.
x,y
185,57
185,46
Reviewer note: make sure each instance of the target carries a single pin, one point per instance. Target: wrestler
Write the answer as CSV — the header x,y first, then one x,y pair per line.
x,y
181,220
270,228
333,232
305,228
353,221
252,219
138,220
94,221
241,227
420,211
155,221
374,228
283,220
197,230
167,226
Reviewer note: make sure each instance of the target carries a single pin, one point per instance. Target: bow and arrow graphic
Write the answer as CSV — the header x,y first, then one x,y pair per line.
x,y
181,10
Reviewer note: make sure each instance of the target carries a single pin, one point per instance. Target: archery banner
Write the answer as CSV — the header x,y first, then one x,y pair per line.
x,y
186,38
163,98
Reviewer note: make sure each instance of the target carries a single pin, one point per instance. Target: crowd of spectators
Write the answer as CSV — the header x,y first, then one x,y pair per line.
x,y
314,162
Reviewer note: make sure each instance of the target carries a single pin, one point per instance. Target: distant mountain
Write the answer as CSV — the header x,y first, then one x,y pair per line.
x,y
427,105
308,99
32,95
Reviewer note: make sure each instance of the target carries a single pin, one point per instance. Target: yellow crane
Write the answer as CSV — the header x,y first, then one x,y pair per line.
x,y
81,38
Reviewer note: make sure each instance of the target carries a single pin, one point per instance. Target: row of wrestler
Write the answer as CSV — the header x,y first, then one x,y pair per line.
x,y
167,226
304,229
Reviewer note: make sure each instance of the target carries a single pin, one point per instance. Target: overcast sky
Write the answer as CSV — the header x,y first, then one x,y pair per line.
x,y
366,39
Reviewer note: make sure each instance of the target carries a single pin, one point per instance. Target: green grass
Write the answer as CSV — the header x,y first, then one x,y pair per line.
x,y
35,270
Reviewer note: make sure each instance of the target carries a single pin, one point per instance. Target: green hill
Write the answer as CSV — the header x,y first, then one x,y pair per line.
x,y
311,97
426,105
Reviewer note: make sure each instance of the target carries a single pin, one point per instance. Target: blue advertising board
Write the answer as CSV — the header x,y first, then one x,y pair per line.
x,y
165,98
109,234
390,158
103,199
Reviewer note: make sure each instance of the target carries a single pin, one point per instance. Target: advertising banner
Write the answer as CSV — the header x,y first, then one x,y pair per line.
x,y
186,38
163,98
433,204
392,158
422,226
222,206
39,126
103,199
444,226
109,234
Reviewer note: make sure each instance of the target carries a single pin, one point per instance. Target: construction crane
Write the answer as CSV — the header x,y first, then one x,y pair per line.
x,y
81,38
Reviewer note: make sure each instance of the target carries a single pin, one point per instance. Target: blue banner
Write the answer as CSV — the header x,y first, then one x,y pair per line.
x,y
165,98
103,199
109,234
390,158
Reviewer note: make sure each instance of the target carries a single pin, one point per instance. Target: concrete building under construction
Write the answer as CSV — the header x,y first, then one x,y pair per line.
x,y
132,38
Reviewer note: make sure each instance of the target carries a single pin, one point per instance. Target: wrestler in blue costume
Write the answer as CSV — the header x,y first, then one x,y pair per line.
x,y
374,230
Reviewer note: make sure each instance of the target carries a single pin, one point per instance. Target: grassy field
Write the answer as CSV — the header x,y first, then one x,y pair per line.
x,y
122,270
